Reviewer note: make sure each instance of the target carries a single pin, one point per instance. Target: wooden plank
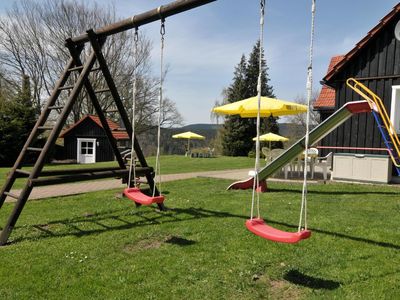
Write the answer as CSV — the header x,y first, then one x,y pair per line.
x,y
87,176
374,58
383,42
396,64
370,122
390,57
45,173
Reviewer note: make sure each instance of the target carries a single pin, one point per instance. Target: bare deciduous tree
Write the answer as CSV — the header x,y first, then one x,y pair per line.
x,y
300,119
32,37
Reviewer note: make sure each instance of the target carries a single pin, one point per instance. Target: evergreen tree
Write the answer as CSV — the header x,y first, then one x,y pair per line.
x,y
269,124
17,118
252,74
238,132
235,141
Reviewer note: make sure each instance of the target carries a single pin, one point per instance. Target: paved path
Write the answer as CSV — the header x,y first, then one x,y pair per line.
x,y
108,184
100,185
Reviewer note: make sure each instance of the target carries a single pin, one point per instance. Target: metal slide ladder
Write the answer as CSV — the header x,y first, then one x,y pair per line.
x,y
387,140
382,119
66,83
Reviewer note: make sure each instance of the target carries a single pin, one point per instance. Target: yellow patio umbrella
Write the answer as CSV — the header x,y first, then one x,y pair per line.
x,y
248,108
271,137
189,136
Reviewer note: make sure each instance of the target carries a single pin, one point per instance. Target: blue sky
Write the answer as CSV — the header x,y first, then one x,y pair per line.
x,y
205,44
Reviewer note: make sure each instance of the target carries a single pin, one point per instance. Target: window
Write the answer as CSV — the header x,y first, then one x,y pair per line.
x,y
395,108
87,147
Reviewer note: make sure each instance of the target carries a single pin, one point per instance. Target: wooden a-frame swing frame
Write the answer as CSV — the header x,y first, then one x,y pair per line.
x,y
75,45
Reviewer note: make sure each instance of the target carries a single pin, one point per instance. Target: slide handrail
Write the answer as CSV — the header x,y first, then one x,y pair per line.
x,y
376,103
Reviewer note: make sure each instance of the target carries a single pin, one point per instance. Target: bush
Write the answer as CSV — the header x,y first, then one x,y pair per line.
x,y
252,154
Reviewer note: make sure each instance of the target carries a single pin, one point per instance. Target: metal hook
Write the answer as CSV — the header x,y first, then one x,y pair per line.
x,y
162,29
136,34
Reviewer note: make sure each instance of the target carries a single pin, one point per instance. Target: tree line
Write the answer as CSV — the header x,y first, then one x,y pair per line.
x,y
32,53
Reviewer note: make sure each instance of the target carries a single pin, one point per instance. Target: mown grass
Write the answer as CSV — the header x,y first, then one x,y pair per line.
x,y
98,246
170,164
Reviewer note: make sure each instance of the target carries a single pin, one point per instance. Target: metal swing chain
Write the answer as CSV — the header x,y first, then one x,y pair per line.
x,y
259,87
303,210
132,165
160,107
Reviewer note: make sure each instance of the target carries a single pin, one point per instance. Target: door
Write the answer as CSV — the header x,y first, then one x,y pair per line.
x,y
86,153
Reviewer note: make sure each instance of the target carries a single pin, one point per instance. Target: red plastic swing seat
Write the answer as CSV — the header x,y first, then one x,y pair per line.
x,y
135,194
260,228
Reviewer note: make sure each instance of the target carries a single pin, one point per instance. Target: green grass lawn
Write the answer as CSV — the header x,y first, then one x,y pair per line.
x,y
98,246
170,164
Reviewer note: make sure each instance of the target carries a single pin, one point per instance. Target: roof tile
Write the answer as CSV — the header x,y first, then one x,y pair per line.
x,y
117,134
327,95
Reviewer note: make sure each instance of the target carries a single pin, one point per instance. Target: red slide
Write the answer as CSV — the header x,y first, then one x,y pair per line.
x,y
248,184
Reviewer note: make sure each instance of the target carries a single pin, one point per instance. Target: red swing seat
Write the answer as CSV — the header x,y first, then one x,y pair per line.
x,y
135,194
260,228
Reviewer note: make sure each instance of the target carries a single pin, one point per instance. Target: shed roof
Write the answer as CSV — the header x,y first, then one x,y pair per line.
x,y
117,134
326,98
363,43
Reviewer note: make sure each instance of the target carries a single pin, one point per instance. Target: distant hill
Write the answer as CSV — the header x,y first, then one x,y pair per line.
x,y
290,130
177,146
194,127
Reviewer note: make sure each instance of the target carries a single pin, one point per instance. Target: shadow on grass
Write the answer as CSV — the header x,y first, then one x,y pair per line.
x,y
122,220
336,192
340,235
298,278
176,240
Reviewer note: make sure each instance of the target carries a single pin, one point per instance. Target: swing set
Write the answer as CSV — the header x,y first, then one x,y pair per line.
x,y
82,66
96,62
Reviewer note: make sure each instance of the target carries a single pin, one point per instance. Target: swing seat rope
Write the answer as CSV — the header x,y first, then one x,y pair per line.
x,y
258,225
134,193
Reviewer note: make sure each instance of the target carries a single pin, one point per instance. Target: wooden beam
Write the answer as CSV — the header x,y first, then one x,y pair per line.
x,y
45,173
153,15
87,176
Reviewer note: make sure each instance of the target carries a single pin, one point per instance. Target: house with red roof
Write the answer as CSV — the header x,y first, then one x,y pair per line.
x,y
375,62
86,141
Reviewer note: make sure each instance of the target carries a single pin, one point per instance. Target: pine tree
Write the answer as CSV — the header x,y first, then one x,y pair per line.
x,y
238,132
269,124
235,141
17,118
252,74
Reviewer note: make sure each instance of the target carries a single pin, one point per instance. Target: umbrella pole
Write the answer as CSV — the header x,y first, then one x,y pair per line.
x,y
270,154
188,148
